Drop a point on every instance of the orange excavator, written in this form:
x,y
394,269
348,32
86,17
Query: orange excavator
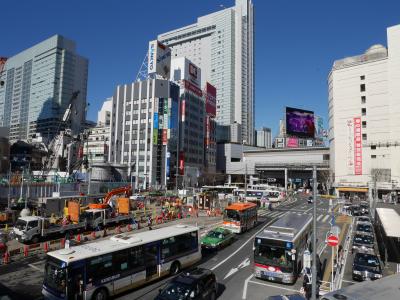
x,y
127,190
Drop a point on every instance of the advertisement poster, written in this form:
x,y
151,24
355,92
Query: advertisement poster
x,y
211,102
292,142
155,120
319,127
300,122
357,147
350,147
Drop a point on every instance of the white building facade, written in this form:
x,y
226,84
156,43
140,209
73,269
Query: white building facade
x,y
264,138
104,114
143,133
364,123
39,83
222,45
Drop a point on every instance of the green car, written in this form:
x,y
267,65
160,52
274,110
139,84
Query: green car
x,y
217,238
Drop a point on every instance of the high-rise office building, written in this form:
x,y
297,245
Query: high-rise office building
x,y
222,45
38,87
104,114
364,123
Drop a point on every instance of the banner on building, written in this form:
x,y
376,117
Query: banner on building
x,y
181,163
357,146
155,136
211,102
155,125
183,106
164,137
350,147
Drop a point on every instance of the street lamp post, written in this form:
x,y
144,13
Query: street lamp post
x,y
245,170
314,235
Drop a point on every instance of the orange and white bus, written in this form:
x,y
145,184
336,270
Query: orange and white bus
x,y
240,216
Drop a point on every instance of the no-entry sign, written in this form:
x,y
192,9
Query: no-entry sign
x,y
333,241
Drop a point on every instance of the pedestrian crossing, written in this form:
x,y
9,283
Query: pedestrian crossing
x,y
322,218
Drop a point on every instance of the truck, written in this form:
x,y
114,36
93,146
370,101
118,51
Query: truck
x,y
35,228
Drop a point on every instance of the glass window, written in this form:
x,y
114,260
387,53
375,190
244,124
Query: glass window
x,y
100,267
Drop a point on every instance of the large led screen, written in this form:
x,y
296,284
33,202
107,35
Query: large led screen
x,y
300,122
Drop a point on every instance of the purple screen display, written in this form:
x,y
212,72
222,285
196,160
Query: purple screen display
x,y
300,122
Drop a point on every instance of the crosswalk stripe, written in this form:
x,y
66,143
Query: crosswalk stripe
x,y
325,218
319,217
274,214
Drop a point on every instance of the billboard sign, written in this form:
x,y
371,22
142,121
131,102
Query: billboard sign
x,y
300,122
159,59
310,143
292,142
164,136
357,147
211,100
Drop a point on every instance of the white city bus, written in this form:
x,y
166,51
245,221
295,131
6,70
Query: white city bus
x,y
279,249
105,268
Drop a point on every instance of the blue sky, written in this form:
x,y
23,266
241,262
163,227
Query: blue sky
x,y
296,41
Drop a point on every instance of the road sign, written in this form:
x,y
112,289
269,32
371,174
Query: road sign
x,y
333,241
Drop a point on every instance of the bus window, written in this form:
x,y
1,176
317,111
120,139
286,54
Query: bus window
x,y
231,214
100,267
275,256
136,258
55,276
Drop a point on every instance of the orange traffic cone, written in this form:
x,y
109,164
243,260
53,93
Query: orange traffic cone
x,y
93,234
62,243
26,250
46,247
78,238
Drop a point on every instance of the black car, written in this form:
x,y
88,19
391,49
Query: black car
x,y
366,266
355,210
363,219
310,199
364,229
197,284
364,208
363,243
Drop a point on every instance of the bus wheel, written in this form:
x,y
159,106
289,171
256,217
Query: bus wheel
x,y
100,294
175,268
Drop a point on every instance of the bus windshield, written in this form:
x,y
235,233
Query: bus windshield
x,y
231,214
272,255
55,275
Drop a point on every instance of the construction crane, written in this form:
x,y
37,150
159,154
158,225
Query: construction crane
x,y
57,141
127,190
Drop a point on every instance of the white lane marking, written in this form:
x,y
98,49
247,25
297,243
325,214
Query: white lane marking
x,y
36,268
240,248
242,265
349,281
309,209
319,217
273,286
275,213
246,282
325,218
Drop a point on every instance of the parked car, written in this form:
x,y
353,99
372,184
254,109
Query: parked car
x,y
366,266
363,243
364,228
355,210
364,208
363,220
310,199
217,238
197,284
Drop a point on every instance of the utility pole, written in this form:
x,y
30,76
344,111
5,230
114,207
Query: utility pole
x,y
314,235
245,171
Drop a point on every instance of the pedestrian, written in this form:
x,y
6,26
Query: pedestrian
x,y
307,282
149,222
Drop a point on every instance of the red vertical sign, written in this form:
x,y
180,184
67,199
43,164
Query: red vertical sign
x,y
183,107
164,136
211,95
181,163
357,147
